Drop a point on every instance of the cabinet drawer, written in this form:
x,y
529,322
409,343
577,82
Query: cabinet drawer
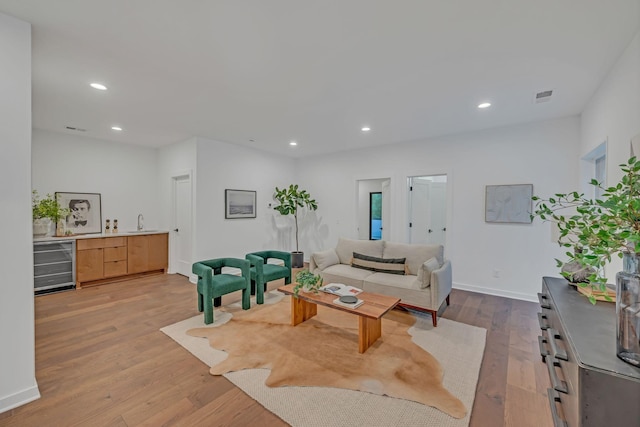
x,y
115,268
106,242
115,254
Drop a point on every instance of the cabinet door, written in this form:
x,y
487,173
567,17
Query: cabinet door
x,y
89,265
137,254
158,251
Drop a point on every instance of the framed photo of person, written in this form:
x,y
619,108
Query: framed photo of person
x,y
86,212
239,204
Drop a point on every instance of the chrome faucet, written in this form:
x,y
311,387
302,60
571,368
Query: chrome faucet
x,y
140,222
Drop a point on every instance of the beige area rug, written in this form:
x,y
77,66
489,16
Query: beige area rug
x,y
458,348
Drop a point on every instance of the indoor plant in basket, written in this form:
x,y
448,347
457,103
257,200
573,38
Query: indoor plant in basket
x,y
45,211
598,229
290,200
307,281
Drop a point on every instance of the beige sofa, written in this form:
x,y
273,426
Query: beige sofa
x,y
425,285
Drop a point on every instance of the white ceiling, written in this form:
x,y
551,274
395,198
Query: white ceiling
x,y
315,71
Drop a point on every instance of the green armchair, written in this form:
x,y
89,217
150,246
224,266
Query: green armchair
x,y
212,283
263,272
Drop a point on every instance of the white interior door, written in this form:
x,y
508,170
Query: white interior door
x,y
428,210
386,208
182,234
419,222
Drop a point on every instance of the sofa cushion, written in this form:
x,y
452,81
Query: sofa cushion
x,y
424,273
324,259
416,255
344,274
411,296
346,247
394,280
381,265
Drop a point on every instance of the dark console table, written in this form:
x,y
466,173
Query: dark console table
x,y
591,386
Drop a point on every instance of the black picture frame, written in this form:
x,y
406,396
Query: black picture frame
x,y
239,204
86,212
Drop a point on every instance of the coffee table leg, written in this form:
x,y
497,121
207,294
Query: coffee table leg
x,y
302,310
369,330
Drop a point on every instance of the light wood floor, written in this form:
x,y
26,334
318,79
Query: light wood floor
x,y
102,361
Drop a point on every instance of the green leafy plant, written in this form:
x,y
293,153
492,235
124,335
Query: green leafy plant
x,y
290,200
48,207
597,229
307,280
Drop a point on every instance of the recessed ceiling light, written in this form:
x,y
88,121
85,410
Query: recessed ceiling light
x,y
98,86
293,143
484,105
116,128
365,129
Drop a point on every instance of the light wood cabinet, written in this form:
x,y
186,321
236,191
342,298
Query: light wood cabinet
x,y
147,253
106,259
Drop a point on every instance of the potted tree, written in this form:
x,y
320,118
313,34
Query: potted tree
x,y
596,230
290,201
44,212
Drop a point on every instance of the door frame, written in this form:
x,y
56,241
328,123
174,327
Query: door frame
x,y
175,176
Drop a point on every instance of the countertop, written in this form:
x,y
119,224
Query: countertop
x,y
99,235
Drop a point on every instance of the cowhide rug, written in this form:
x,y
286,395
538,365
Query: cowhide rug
x,y
323,352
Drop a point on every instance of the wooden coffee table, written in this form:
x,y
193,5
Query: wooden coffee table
x,y
369,314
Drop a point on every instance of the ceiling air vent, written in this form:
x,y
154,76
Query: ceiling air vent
x,y
544,96
75,129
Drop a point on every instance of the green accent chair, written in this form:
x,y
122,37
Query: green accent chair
x,y
262,272
212,283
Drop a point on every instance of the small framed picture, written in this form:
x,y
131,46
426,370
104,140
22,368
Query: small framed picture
x,y
239,204
508,203
86,212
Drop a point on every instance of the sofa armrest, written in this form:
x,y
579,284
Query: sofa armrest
x,y
441,284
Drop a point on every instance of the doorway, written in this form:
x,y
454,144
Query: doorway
x,y
373,194
428,209
182,235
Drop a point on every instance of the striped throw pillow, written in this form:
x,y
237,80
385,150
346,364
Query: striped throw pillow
x,y
380,265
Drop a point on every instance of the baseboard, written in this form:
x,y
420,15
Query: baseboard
x,y
193,278
496,292
20,398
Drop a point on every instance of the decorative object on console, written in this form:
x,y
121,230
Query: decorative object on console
x,y
598,229
115,225
307,281
107,227
45,209
239,204
85,209
508,203
290,200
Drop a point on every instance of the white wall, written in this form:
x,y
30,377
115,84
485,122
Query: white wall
x,y
125,175
613,115
17,357
223,166
543,154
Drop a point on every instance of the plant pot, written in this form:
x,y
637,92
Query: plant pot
x,y
42,227
297,259
628,309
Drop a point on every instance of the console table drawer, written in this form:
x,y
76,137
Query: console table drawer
x,y
115,268
115,254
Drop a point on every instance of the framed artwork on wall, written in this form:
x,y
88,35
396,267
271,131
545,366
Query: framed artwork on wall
x,y
508,203
239,204
86,212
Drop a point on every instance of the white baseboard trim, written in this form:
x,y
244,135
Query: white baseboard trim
x,y
193,278
496,292
20,398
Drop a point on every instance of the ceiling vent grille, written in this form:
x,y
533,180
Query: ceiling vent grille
x,y
544,96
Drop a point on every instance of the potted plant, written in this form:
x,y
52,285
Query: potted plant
x,y
290,201
45,211
307,281
598,229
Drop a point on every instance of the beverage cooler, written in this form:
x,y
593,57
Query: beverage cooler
x,y
54,266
